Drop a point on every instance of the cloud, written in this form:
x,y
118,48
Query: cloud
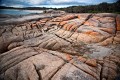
x,y
16,5
53,6
35,2
52,3
61,1
12,2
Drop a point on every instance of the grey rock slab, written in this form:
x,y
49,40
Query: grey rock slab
x,y
70,72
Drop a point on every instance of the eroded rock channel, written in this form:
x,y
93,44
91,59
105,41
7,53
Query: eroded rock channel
x,y
64,47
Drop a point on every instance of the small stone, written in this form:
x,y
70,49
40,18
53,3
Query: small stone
x,y
85,56
91,62
100,62
33,25
68,57
82,59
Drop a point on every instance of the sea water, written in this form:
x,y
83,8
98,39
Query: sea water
x,y
19,12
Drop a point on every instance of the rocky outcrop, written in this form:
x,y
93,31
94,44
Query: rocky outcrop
x,y
68,47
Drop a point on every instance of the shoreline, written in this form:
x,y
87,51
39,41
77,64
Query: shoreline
x,y
6,19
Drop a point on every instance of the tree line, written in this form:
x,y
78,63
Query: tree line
x,y
102,7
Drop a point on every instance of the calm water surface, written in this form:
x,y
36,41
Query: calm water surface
x,y
19,12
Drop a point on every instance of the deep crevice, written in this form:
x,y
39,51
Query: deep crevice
x,y
39,74
59,68
101,71
63,38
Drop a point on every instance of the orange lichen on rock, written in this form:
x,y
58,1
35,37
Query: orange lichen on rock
x,y
109,30
63,23
74,27
56,23
44,20
79,16
33,25
89,23
64,18
65,26
91,33
118,22
94,33
68,17
96,17
68,57
88,32
70,26
82,59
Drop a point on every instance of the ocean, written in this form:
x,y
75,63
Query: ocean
x,y
19,12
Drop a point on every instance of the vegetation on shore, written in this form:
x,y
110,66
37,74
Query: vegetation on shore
x,y
102,7
99,8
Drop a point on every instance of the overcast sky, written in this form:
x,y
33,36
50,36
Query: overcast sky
x,y
50,3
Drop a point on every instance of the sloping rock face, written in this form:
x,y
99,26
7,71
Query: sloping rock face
x,y
68,47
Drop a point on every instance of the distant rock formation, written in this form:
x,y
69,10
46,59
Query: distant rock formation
x,y
54,11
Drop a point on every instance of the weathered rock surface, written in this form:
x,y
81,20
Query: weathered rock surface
x,y
68,47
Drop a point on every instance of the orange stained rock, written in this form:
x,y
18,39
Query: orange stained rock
x,y
94,33
74,27
82,59
116,40
118,22
96,17
68,57
56,23
91,62
57,19
33,25
44,20
109,30
88,32
63,23
107,41
111,19
68,17
70,25
79,16
87,23
38,22
65,26
64,18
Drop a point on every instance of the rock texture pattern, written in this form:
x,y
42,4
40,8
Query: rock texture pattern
x,y
67,47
